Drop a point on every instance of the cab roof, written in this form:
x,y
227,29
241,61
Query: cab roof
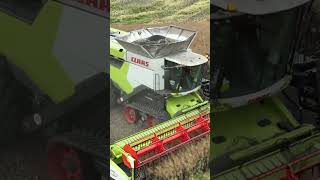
x,y
187,58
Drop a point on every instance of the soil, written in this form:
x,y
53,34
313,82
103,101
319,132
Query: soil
x,y
119,127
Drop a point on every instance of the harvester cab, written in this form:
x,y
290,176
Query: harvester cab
x,y
256,136
253,48
155,67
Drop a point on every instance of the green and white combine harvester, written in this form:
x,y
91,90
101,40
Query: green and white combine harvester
x,y
255,46
156,77
50,65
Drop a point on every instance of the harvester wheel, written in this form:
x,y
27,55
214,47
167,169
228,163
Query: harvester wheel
x,y
9,114
150,121
130,114
66,163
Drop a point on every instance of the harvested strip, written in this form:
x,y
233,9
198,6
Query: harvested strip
x,y
182,164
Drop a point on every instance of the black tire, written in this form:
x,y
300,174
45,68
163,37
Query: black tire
x,y
9,113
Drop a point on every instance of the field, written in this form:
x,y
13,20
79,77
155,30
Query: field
x,y
130,15
158,11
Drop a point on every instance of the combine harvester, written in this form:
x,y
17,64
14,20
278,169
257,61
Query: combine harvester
x,y
154,74
256,136
157,78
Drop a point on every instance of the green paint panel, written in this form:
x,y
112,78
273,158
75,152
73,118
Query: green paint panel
x,y
119,76
291,136
116,50
37,60
277,159
177,104
119,170
240,126
113,30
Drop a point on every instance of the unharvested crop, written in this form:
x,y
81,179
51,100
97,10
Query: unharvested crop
x,y
158,11
182,164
